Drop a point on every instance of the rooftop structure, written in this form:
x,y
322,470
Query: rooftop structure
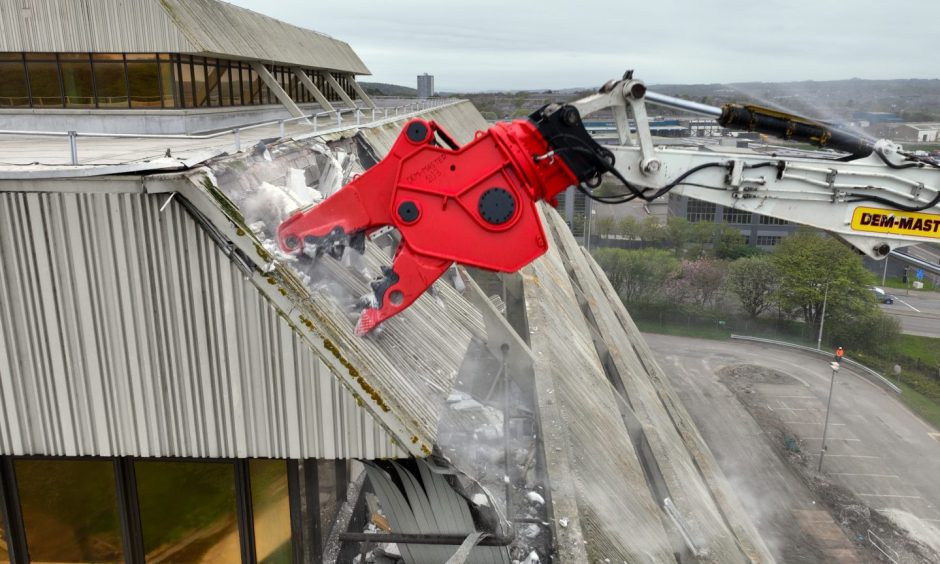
x,y
164,66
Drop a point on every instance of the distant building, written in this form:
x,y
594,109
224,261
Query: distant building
x,y
425,85
922,132
757,230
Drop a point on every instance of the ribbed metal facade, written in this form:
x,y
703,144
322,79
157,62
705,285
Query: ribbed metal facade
x,y
125,330
167,26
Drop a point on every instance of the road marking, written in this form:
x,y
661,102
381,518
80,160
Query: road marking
x,y
868,475
908,305
814,423
831,439
891,495
935,436
797,397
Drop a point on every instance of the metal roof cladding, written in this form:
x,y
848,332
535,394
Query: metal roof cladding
x,y
206,27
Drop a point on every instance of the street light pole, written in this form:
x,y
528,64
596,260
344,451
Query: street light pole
x,y
884,273
832,382
823,318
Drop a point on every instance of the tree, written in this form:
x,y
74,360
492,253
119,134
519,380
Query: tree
x,y
814,267
604,226
698,282
638,276
730,244
753,280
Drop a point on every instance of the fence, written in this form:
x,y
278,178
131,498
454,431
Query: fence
x,y
866,371
320,122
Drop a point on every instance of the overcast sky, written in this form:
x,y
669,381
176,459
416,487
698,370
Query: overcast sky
x,y
492,44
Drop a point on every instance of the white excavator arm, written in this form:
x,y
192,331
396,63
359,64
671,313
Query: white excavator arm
x,y
877,201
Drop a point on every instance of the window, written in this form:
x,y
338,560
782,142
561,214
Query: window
x,y
764,220
4,539
13,90
732,215
69,510
110,81
143,81
44,80
187,511
698,210
225,84
78,86
236,85
768,240
200,95
212,82
167,82
271,508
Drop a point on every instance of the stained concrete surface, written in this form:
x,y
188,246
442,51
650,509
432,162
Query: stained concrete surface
x,y
879,450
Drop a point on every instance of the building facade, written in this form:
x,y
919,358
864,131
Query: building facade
x,y
425,85
757,230
101,65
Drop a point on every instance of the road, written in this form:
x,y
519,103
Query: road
x,y
877,449
918,312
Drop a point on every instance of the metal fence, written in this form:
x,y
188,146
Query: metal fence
x,y
320,122
865,371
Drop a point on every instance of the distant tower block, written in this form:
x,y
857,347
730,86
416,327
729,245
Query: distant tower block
x,y
425,85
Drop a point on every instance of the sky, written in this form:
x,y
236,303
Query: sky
x,y
500,45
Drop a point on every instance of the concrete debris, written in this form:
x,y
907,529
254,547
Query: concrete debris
x,y
534,497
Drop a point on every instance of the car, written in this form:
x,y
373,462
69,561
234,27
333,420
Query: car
x,y
881,295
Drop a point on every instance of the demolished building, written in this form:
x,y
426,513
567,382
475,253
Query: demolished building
x,y
148,319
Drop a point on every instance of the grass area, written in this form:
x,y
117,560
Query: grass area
x,y
926,408
897,284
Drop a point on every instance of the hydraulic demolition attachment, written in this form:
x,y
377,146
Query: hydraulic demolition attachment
x,y
476,204
473,204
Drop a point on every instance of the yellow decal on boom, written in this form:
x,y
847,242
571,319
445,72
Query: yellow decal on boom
x,y
896,222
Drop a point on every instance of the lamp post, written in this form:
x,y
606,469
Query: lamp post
x,y
822,320
832,381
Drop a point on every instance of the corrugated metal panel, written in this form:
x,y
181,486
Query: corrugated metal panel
x,y
176,26
89,25
217,27
127,331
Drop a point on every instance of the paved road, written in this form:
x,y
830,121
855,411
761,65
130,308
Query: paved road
x,y
877,448
918,312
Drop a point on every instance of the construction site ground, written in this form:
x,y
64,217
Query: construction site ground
x,y
761,410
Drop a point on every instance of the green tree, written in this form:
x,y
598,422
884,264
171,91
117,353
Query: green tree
x,y
730,244
815,267
753,280
638,276
604,226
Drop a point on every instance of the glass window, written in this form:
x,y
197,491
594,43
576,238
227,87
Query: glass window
x,y
187,511
110,84
168,84
44,84
77,83
13,91
69,510
768,240
143,81
4,555
764,220
200,99
186,82
698,210
326,476
225,84
246,86
732,215
271,507
212,82
236,85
